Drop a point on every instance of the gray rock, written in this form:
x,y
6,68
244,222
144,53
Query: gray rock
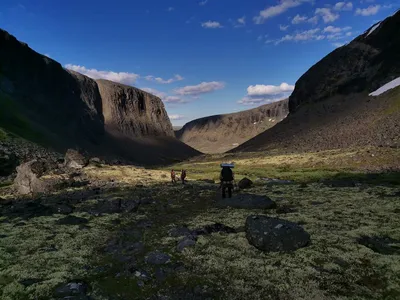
x,y
179,231
75,289
245,183
72,220
157,258
75,160
185,242
275,235
8,163
27,181
248,201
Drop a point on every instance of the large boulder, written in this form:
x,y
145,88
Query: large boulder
x,y
29,179
247,201
75,160
245,183
275,235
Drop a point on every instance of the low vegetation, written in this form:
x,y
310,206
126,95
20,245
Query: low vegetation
x,y
108,249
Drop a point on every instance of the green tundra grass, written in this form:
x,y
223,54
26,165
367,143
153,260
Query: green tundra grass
x,y
37,254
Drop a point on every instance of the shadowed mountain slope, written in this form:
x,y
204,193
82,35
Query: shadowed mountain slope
x,y
220,133
331,107
42,102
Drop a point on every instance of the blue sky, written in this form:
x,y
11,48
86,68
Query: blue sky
x,y
202,57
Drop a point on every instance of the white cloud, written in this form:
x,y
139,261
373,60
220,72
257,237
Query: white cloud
x,y
313,20
263,94
211,24
242,20
264,90
202,88
299,19
48,55
301,36
160,80
176,117
369,11
122,77
332,29
278,9
327,14
283,28
203,2
170,9
164,97
343,6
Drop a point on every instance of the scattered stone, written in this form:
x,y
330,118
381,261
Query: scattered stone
x,y
179,231
63,209
158,258
275,235
72,290
285,209
185,242
160,275
247,201
29,281
209,229
245,183
75,160
72,220
144,223
382,245
136,248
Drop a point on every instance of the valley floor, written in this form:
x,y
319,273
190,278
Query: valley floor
x,y
116,238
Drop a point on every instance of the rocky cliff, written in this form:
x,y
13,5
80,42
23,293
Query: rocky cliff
x,y
220,133
331,107
43,102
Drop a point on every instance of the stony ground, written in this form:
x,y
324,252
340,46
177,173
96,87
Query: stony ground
x,y
121,236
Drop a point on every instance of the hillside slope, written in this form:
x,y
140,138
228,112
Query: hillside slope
x,y
220,133
331,107
42,102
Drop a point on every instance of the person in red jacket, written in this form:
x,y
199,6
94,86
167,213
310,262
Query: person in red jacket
x,y
173,176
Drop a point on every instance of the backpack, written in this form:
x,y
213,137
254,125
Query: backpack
x,y
226,174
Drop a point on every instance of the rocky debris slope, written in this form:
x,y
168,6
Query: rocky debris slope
x,y
47,104
220,133
331,108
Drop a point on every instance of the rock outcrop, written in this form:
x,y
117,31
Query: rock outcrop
x,y
220,133
275,235
47,104
330,106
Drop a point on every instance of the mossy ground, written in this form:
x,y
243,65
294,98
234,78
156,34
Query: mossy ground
x,y
334,266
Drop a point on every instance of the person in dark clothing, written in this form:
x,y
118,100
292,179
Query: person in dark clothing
x,y
183,176
226,178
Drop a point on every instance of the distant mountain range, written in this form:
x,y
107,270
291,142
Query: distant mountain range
x,y
220,133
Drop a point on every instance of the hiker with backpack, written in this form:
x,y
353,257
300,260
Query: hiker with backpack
x,y
227,178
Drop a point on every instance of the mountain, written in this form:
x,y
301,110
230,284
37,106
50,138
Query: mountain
x,y
220,133
43,102
330,106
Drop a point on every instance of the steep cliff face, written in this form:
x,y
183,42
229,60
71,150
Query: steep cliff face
x,y
331,107
58,108
365,64
220,133
133,112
